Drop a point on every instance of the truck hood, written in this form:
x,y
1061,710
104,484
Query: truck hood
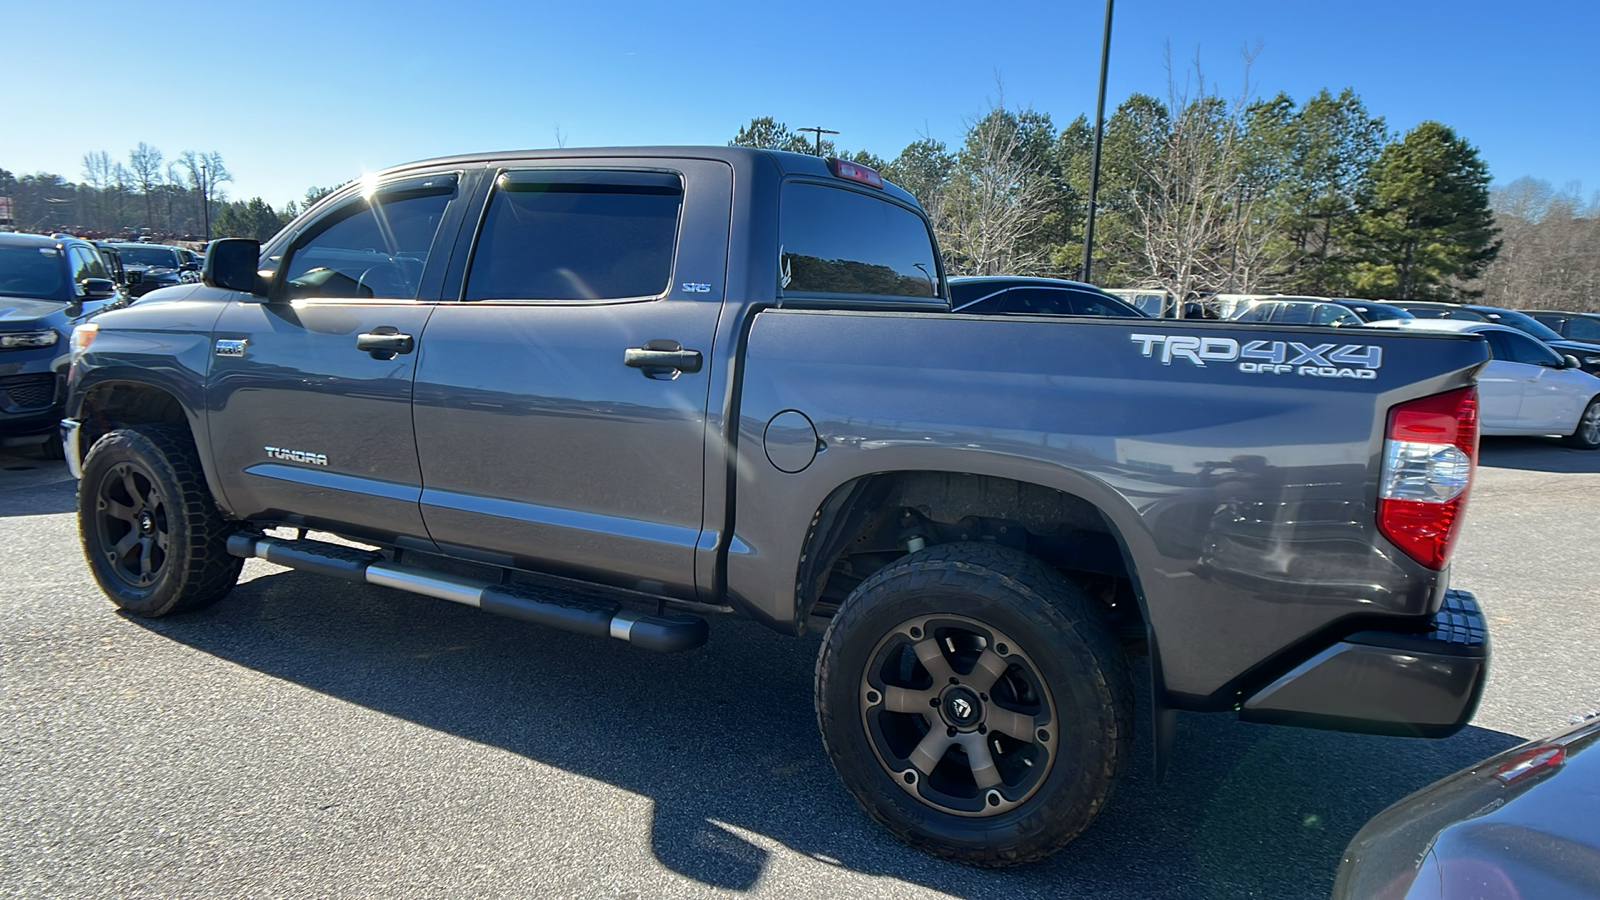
x,y
21,312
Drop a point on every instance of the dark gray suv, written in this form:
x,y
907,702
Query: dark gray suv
x,y
47,286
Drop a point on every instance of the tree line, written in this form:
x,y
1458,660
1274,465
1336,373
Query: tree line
x,y
1203,194
1198,194
147,195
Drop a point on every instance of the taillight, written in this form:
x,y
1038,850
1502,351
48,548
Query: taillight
x,y
1429,451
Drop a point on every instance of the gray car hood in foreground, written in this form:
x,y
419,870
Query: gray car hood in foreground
x,y
1520,825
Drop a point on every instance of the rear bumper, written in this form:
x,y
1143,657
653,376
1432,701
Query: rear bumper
x,y
1422,684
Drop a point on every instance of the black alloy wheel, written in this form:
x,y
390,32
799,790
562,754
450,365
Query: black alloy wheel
x,y
958,715
974,702
154,538
131,523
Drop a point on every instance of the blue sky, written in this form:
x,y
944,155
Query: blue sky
x,y
300,93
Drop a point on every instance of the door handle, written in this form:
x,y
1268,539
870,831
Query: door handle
x,y
385,342
662,360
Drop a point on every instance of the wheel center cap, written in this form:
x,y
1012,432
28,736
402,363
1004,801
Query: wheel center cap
x,y
962,708
147,523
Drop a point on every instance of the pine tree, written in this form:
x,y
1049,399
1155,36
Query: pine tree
x,y
1426,229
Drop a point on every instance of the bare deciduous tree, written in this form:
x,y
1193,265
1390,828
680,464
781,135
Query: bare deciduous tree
x,y
1193,217
1550,248
994,202
144,161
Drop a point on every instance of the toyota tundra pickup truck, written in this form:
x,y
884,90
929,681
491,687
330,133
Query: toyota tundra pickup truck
x,y
727,381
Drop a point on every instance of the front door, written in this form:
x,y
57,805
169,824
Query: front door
x,y
310,391
561,403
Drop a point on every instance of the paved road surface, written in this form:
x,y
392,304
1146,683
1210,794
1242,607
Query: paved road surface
x,y
310,738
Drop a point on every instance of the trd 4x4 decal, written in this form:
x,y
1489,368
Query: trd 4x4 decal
x,y
1358,361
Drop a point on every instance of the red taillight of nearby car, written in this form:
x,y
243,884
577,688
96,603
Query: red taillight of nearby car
x,y
1429,451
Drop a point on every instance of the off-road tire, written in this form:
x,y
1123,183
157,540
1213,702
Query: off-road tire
x,y
1587,435
142,487
1058,632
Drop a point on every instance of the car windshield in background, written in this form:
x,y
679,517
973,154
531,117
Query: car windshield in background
x,y
31,271
1523,323
149,256
841,241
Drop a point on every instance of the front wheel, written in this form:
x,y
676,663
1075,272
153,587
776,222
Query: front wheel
x,y
1587,435
153,537
973,702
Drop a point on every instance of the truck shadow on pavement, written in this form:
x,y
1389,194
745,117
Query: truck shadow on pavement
x,y
723,740
1536,455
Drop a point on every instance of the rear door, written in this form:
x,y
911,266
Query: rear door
x,y
561,400
1502,384
310,392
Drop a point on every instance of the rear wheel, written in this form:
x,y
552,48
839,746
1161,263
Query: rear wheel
x,y
1587,435
974,704
153,537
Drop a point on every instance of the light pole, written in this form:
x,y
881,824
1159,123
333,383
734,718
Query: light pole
x,y
205,201
1099,132
820,132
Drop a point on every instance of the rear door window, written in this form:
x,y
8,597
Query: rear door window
x,y
562,235
836,240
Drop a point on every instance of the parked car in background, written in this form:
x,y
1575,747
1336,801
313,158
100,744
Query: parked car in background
x,y
1520,824
152,266
1527,388
988,295
1574,326
1372,310
47,286
1293,311
1586,352
1153,302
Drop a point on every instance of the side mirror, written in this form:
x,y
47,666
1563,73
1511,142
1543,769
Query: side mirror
x,y
231,265
96,288
135,276
189,267
1571,362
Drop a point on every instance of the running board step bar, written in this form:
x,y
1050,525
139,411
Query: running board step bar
x,y
593,617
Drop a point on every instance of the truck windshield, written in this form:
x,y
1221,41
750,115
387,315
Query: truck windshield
x,y
32,271
842,241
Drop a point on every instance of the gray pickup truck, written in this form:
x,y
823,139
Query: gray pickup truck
x,y
727,381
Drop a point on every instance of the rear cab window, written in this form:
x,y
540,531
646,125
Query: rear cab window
x,y
837,241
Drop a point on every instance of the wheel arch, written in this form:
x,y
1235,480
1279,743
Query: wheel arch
x,y
109,403
880,512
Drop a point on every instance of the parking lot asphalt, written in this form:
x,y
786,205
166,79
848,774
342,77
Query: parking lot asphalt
x,y
307,737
